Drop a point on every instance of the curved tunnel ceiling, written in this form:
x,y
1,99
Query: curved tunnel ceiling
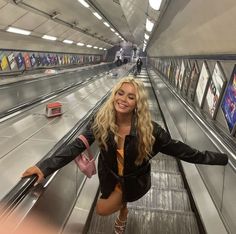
x,y
72,21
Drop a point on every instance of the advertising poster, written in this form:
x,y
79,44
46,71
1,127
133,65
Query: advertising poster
x,y
82,59
202,83
50,60
86,59
73,59
194,76
186,78
181,75
229,102
44,60
98,58
177,75
38,60
32,59
20,61
53,60
4,62
60,59
169,70
56,61
215,89
12,61
77,59
64,59
90,59
27,61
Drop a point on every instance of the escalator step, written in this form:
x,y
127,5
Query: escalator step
x,y
148,222
164,164
163,180
172,200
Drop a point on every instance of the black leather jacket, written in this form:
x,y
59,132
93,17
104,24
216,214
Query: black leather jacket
x,y
107,159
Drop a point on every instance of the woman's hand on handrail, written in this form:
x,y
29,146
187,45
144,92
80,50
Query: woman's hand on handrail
x,y
34,170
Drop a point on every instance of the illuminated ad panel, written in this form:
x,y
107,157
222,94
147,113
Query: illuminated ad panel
x,y
202,83
186,81
229,102
181,75
194,76
215,89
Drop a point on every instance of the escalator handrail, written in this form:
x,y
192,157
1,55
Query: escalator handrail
x,y
21,189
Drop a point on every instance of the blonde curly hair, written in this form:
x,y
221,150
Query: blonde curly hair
x,y
105,120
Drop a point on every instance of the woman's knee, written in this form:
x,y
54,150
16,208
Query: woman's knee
x,y
102,210
107,207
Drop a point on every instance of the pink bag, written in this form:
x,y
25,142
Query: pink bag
x,y
85,161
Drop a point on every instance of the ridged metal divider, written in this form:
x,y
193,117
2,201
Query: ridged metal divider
x,y
165,209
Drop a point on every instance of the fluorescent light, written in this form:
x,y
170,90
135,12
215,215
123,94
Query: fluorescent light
x,y
95,47
149,25
100,48
80,44
155,4
68,41
146,36
113,30
108,25
85,4
89,46
117,33
18,30
104,49
97,15
47,37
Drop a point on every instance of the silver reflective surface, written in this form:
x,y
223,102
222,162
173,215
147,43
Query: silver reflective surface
x,y
27,138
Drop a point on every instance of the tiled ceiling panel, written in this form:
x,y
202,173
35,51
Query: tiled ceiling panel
x,y
114,13
135,13
74,21
10,14
58,30
30,21
46,27
72,11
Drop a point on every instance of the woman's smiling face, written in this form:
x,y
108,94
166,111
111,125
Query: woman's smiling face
x,y
125,99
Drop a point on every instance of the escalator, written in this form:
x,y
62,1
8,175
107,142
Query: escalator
x,y
165,209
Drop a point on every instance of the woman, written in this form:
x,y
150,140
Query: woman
x,y
128,139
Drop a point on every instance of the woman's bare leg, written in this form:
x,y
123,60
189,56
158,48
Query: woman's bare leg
x,y
113,204
110,205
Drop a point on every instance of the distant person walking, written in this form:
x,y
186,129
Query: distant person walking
x,y
139,64
118,61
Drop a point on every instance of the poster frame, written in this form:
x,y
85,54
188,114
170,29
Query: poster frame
x,y
221,91
194,66
230,83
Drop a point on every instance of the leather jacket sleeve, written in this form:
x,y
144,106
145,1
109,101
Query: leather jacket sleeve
x,y
66,154
165,144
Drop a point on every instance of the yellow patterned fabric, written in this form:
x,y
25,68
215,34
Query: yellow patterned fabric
x,y
120,162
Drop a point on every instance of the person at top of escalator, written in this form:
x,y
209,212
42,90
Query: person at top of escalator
x,y
139,64
128,139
